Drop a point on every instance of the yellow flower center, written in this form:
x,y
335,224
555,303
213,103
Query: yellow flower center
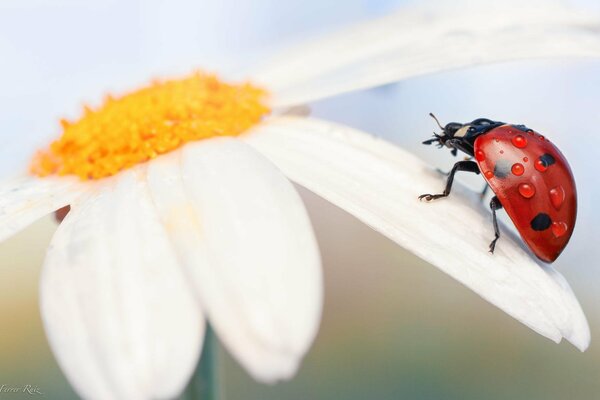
x,y
154,120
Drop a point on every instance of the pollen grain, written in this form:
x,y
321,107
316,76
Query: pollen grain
x,y
154,120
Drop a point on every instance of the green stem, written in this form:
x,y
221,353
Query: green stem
x,y
204,384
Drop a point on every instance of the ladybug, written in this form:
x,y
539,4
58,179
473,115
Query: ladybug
x,y
529,176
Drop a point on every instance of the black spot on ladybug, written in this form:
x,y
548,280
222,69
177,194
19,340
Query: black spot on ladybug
x,y
522,128
547,160
541,222
502,168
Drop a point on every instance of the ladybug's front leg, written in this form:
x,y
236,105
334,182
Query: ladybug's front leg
x,y
495,205
469,166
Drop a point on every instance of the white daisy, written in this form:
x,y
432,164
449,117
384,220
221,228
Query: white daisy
x,y
193,217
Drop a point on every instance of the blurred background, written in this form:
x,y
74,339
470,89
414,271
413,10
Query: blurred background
x,y
393,326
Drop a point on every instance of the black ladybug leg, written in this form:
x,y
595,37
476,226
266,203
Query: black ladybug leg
x,y
484,191
495,205
469,166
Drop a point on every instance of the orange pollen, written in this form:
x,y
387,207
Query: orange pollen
x,y
141,125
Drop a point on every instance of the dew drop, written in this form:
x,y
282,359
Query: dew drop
x,y
540,166
518,169
525,159
557,196
480,155
542,138
489,174
519,141
527,190
501,151
559,228
497,140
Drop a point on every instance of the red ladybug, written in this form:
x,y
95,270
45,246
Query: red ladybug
x,y
529,176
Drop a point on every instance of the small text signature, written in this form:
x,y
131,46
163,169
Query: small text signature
x,y
27,389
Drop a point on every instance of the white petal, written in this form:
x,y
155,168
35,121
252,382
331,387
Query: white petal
x,y
424,39
120,317
26,199
379,184
243,233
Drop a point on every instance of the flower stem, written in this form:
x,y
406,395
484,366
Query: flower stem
x,y
204,384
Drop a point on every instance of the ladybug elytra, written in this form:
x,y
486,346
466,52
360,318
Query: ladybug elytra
x,y
529,176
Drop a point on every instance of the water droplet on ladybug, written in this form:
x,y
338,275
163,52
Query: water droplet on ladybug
x,y
540,166
527,190
497,140
489,174
542,138
501,151
480,155
519,141
559,228
557,196
518,169
525,159
544,162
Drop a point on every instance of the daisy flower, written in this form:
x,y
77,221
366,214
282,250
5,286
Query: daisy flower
x,y
182,209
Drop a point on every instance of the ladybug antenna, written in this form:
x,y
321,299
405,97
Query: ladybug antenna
x,y
436,120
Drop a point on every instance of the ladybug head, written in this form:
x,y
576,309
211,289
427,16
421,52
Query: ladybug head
x,y
447,135
457,136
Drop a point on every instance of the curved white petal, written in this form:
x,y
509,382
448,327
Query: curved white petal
x,y
120,317
242,231
424,39
26,199
379,184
